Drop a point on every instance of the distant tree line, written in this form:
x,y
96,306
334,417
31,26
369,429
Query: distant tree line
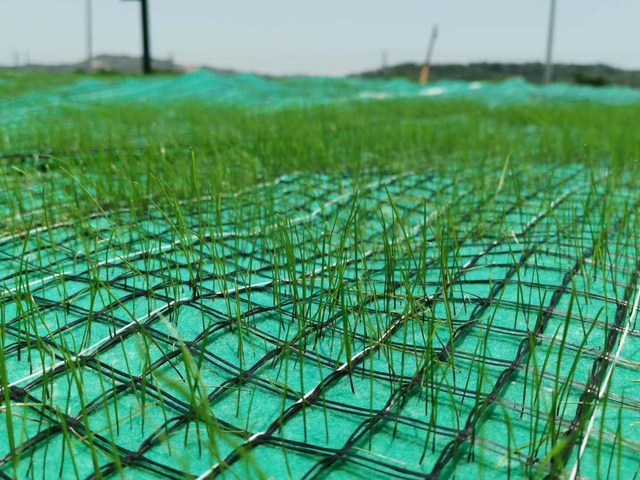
x,y
596,75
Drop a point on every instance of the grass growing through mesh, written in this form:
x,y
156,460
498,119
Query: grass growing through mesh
x,y
391,288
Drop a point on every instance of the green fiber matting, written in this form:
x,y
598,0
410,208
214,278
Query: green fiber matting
x,y
328,325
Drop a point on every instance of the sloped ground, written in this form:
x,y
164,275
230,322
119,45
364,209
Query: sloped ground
x,y
409,287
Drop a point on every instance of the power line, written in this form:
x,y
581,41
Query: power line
x,y
548,68
89,35
146,47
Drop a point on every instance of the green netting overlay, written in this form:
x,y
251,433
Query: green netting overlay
x,y
258,92
329,325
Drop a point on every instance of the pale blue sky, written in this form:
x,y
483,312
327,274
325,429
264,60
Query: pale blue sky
x,y
329,37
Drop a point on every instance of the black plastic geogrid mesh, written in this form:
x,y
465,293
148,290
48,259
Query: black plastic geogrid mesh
x,y
414,328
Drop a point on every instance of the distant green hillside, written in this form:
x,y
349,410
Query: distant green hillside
x,y
584,74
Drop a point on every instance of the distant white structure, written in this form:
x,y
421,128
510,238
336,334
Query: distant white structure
x,y
90,65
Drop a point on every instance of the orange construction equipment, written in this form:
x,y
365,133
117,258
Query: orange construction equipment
x,y
426,67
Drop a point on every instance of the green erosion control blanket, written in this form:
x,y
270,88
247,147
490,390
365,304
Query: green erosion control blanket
x,y
302,328
254,91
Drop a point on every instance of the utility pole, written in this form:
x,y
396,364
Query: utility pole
x,y
548,67
89,36
385,60
146,48
426,67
